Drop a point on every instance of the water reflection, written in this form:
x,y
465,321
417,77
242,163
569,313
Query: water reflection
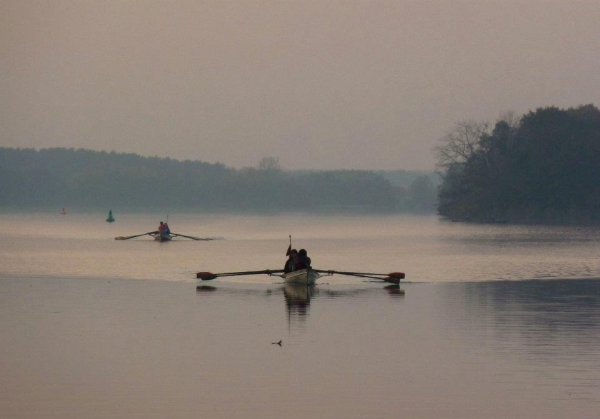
x,y
549,328
550,307
205,288
297,299
394,290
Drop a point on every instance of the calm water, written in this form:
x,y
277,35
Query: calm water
x,y
427,249
495,321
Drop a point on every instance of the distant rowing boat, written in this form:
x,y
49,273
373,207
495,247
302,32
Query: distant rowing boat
x,y
162,237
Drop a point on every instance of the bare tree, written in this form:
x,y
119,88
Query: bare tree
x,y
512,118
512,121
460,143
269,164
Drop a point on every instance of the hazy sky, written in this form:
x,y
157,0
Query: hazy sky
x,y
318,84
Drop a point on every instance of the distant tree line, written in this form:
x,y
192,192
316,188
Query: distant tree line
x,y
542,167
92,180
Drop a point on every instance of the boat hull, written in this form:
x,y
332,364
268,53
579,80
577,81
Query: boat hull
x,y
162,237
303,277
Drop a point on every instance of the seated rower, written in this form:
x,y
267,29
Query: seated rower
x,y
302,261
290,264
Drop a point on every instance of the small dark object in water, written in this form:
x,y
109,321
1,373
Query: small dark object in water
x,y
276,343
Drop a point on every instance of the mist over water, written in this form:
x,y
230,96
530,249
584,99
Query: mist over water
x,y
425,248
495,321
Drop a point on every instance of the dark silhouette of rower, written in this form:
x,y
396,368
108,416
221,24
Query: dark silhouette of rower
x,y
302,261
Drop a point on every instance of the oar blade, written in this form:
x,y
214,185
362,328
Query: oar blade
x,y
205,276
128,237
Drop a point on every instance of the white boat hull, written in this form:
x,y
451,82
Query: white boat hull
x,y
304,277
162,237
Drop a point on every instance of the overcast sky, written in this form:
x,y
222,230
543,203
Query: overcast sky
x,y
318,84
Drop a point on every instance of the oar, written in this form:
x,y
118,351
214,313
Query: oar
x,y
189,237
392,277
138,235
207,276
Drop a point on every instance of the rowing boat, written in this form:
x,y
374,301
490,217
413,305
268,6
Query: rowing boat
x,y
303,276
162,237
306,276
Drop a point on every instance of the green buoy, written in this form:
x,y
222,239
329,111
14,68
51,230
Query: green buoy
x,y
110,218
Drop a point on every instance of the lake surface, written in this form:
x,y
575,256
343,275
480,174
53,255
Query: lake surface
x,y
493,321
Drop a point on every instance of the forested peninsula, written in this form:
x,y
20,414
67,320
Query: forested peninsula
x,y
49,179
543,167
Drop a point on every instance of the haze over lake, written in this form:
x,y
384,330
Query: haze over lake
x,y
318,84
272,107
494,321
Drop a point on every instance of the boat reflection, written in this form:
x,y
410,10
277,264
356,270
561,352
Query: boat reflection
x,y
297,299
394,290
205,288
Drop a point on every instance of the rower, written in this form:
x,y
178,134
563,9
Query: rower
x,y
290,264
302,261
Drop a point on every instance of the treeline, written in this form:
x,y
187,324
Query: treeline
x,y
92,180
543,167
